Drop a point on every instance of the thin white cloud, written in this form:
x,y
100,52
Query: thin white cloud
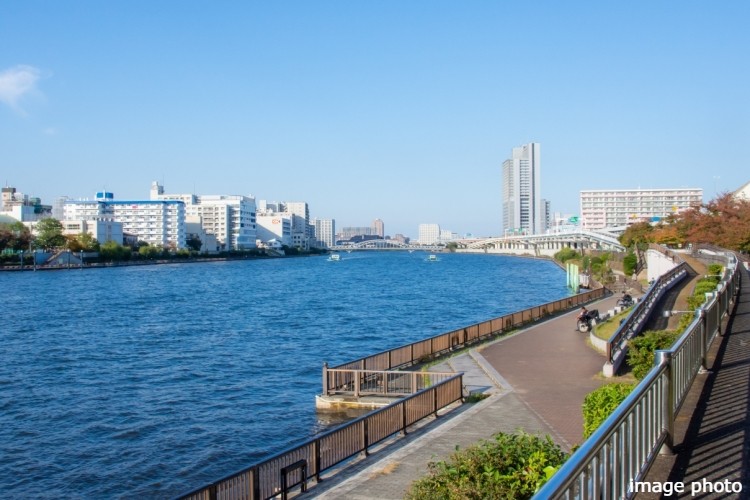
x,y
16,83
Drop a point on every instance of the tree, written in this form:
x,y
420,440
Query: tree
x,y
194,243
635,234
149,251
15,237
49,234
113,251
82,242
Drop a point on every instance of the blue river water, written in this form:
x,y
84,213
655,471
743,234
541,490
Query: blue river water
x,y
150,381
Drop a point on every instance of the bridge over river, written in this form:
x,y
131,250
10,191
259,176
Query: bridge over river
x,y
538,245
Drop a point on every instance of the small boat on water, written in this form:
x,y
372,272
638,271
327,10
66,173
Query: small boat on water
x,y
334,257
432,258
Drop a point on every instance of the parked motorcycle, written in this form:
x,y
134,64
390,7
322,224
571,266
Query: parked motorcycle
x,y
625,301
587,320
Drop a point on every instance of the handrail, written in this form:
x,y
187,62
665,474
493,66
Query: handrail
x,y
378,382
263,480
430,348
625,445
310,459
642,310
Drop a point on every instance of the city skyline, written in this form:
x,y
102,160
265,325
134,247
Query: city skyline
x,y
401,112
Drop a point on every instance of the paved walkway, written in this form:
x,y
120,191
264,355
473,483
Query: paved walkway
x,y
530,389
537,380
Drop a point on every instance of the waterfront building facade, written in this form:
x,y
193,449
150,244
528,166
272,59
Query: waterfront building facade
x,y
104,229
429,234
325,232
523,208
616,208
230,218
274,226
157,222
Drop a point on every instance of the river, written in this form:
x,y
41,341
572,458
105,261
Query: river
x,y
149,381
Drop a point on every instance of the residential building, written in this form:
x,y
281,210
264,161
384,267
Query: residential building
x,y
523,207
613,208
349,232
448,235
302,231
378,228
230,218
325,232
157,222
429,234
103,229
194,229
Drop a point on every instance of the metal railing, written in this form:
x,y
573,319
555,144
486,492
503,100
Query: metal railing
x,y
625,445
376,375
292,469
430,348
637,318
378,382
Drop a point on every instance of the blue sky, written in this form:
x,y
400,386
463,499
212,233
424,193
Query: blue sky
x,y
402,111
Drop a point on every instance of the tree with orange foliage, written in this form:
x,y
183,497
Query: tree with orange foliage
x,y
724,222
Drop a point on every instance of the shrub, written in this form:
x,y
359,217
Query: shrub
x,y
599,404
629,263
641,349
715,269
509,466
567,254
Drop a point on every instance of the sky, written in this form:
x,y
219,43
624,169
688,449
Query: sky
x,y
397,110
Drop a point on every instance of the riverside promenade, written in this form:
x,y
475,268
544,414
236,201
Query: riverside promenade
x,y
536,380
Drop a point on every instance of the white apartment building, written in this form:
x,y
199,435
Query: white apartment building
x,y
325,231
230,218
157,222
523,207
429,234
274,226
103,229
611,208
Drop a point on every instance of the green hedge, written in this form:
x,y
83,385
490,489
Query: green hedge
x,y
641,349
510,466
599,404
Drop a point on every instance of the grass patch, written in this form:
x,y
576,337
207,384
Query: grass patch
x,y
475,397
605,330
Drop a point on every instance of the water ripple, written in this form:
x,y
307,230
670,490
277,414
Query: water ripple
x,y
149,381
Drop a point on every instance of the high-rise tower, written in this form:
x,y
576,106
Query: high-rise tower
x,y
523,207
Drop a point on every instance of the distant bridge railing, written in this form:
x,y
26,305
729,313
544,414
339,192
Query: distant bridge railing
x,y
433,347
625,445
292,469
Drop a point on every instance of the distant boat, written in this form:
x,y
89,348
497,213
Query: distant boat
x,y
334,257
432,258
